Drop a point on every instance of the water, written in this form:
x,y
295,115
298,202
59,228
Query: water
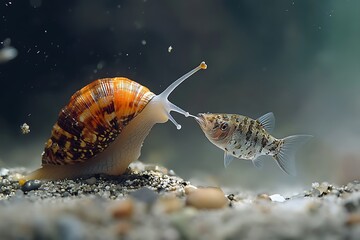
x,y
298,59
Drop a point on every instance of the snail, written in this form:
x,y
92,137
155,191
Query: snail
x,y
103,127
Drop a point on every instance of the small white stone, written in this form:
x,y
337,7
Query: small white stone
x,y
4,172
315,185
277,198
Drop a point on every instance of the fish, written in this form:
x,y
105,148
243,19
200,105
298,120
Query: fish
x,y
242,137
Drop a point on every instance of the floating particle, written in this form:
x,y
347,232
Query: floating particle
x,y
36,3
6,42
7,53
170,49
143,42
25,129
100,65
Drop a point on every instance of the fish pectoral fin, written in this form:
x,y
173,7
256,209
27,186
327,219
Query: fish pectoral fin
x,y
267,121
228,158
258,162
285,158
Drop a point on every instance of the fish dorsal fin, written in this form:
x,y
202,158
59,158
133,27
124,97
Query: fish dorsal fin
x,y
258,162
267,121
228,158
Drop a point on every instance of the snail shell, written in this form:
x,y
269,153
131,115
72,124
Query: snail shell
x,y
93,119
102,128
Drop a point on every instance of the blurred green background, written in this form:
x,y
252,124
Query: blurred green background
x,y
299,59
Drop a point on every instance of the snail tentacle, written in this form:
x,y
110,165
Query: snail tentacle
x,y
167,106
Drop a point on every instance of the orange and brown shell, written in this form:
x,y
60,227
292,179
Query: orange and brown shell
x,y
94,117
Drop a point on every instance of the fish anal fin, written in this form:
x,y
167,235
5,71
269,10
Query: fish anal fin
x,y
228,158
267,121
259,162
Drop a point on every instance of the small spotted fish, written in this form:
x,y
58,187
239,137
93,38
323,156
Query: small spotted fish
x,y
245,138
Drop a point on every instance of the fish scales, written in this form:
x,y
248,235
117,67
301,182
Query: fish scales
x,y
250,139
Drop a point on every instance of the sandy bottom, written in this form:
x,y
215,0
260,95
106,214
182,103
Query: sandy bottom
x,y
149,202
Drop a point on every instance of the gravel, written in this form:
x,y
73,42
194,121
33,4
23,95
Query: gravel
x,y
149,202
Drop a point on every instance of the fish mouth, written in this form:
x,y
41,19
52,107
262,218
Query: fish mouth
x,y
200,119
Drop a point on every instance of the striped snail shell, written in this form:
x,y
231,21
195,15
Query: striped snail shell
x,y
103,127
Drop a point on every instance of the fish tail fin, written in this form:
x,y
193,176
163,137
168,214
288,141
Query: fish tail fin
x,y
285,157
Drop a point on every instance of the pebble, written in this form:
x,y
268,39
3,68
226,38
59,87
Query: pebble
x,y
277,198
16,177
207,198
123,209
264,196
169,204
189,188
31,185
350,206
123,227
157,168
4,172
145,195
79,209
353,219
321,188
313,207
91,180
69,227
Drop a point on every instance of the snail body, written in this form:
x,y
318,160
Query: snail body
x,y
103,127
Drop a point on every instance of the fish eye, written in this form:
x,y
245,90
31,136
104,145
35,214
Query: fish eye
x,y
224,126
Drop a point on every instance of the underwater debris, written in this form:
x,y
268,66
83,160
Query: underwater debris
x,y
25,128
170,48
7,53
